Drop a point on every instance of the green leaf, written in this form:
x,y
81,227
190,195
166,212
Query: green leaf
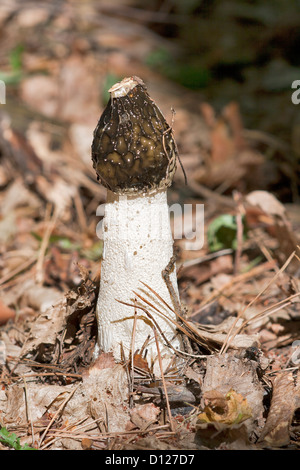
x,y
11,440
65,243
7,438
15,58
222,231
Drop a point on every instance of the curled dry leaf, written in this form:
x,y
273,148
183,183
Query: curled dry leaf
x,y
46,329
230,409
228,372
267,202
277,428
61,322
273,215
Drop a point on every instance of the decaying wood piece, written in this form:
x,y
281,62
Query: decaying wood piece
x,y
177,394
276,432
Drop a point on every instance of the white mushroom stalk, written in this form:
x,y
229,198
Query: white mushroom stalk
x,y
134,155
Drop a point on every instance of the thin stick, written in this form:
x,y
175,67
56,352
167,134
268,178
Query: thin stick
x,y
17,270
206,193
57,434
166,276
39,276
51,374
28,412
242,312
66,432
269,283
57,413
239,232
270,310
205,258
132,357
80,212
163,380
240,278
156,324
189,325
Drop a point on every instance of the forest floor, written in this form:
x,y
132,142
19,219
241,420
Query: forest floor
x,y
238,385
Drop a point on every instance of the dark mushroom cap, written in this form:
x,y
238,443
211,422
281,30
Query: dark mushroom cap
x,y
133,149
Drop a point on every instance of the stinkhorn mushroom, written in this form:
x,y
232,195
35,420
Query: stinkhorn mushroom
x,y
134,155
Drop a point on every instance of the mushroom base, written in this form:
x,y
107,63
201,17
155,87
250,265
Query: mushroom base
x,y
138,245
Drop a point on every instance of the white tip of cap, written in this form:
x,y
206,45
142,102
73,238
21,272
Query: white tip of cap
x,y
123,88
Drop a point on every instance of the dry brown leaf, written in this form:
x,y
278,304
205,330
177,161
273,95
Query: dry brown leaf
x,y
230,372
59,192
106,391
140,362
38,297
231,409
267,202
230,158
274,217
226,131
277,428
103,361
46,328
143,416
41,398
